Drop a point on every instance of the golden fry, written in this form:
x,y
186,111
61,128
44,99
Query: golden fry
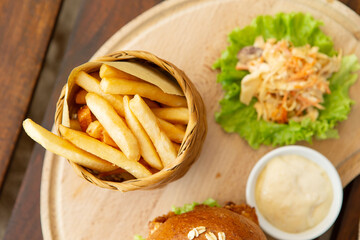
x,y
114,125
105,137
177,147
147,149
92,85
181,127
142,88
174,115
95,75
74,124
150,103
64,148
149,122
175,134
95,129
84,117
103,151
107,71
80,97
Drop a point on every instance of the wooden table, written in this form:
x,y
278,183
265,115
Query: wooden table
x,y
23,53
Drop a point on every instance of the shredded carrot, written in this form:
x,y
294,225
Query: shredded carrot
x,y
285,98
291,80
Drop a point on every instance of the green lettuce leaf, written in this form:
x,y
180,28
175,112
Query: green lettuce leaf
x,y
190,206
138,237
300,29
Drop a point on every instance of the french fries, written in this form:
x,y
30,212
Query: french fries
x,y
84,117
142,88
80,97
95,129
61,147
115,132
151,104
114,125
105,137
176,146
149,122
147,149
107,71
92,85
74,124
95,75
175,134
181,127
103,151
173,115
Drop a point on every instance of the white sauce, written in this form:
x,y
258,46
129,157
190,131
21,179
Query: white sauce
x,y
293,193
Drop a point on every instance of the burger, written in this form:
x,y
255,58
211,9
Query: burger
x,y
207,222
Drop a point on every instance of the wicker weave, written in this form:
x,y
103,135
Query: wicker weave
x,y
194,136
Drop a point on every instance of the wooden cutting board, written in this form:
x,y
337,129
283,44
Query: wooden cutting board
x,y
191,34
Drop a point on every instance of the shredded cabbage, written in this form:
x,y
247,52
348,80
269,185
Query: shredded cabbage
x,y
288,82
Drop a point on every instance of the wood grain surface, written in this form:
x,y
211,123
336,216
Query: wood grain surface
x,y
347,224
175,31
25,221
353,4
22,53
88,35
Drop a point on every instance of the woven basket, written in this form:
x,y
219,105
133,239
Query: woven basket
x,y
194,135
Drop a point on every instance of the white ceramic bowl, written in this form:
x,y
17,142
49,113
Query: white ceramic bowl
x,y
323,162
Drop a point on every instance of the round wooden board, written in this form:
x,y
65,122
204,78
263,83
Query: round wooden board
x,y
191,34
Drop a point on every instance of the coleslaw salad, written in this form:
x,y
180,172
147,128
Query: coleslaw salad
x,y
299,30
